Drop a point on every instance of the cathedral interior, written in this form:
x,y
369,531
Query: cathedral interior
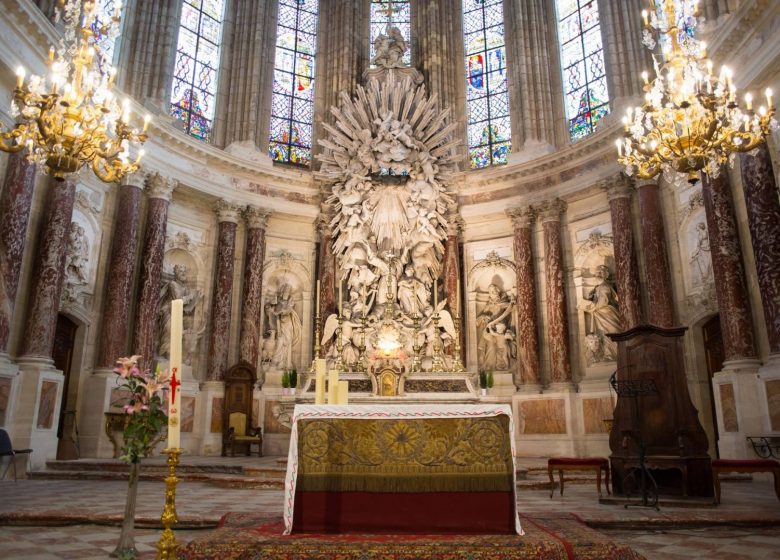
x,y
448,202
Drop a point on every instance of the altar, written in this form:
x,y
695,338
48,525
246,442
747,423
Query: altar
x,y
445,468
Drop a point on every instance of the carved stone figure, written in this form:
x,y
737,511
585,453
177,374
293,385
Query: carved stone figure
x,y
495,347
701,257
412,294
595,348
602,315
76,261
177,288
389,48
284,324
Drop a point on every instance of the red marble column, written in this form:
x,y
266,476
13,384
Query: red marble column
x,y
112,341
49,270
451,270
763,210
736,321
557,324
626,272
159,191
15,202
221,303
327,268
659,279
525,286
251,309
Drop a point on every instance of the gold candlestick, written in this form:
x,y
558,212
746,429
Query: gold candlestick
x,y
361,365
416,363
438,361
317,347
457,364
166,548
340,366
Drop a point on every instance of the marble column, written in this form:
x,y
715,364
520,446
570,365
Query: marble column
x,y
624,54
222,301
246,74
525,286
534,75
557,324
112,341
49,271
159,192
659,280
342,56
15,203
148,53
626,271
451,272
327,268
763,212
251,308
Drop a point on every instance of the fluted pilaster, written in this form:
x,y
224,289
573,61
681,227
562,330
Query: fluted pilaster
x,y
624,54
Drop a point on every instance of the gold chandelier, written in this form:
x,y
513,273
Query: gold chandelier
x,y
71,118
690,120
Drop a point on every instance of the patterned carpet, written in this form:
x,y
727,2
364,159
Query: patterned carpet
x,y
547,537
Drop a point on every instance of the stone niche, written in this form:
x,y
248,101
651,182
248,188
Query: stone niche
x,y
695,255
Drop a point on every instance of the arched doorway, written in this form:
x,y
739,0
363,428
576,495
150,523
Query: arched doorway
x,y
64,345
715,354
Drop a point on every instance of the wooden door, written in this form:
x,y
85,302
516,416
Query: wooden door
x,y
715,355
64,343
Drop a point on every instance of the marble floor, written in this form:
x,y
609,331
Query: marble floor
x,y
746,525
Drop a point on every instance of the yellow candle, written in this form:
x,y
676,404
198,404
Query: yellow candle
x,y
435,293
341,300
317,308
343,395
457,297
333,386
174,402
319,383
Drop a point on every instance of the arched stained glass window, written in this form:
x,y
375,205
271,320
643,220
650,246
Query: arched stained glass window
x,y
582,59
293,96
194,90
489,129
392,14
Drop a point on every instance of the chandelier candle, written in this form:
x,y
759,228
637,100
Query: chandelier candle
x,y
174,401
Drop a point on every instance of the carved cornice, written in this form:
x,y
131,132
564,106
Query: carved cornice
x,y
158,186
551,210
522,216
227,211
256,217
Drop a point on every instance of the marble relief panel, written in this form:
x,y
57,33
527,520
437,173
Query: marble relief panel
x,y
216,415
542,416
187,414
276,420
594,412
47,405
695,252
728,407
83,249
5,398
773,403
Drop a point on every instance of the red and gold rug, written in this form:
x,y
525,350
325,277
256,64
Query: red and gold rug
x,y
552,537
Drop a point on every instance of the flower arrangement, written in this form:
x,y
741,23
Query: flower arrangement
x,y
143,403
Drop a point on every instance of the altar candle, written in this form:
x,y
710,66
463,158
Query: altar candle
x,y
174,402
333,386
341,300
435,293
318,299
319,381
457,295
343,395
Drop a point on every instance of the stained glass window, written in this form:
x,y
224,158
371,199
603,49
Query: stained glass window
x,y
293,96
582,58
197,59
489,129
106,41
391,14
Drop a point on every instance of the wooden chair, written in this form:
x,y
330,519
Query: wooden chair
x,y
7,450
240,433
237,422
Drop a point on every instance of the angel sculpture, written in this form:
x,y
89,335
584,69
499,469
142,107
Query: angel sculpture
x,y
496,347
349,351
389,48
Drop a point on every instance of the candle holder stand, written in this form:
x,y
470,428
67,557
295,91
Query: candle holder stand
x,y
416,347
166,548
361,364
457,364
317,347
340,346
438,362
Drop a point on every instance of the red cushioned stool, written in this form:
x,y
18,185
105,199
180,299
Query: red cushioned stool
x,y
745,466
561,464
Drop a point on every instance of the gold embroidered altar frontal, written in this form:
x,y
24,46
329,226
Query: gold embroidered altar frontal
x,y
405,455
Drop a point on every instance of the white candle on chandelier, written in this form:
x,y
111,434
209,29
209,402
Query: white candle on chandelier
x,y
20,76
646,77
619,145
769,97
749,101
147,120
645,17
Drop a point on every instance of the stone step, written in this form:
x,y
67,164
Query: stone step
x,y
224,480
115,465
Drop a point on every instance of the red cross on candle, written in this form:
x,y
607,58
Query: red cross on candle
x,y
174,385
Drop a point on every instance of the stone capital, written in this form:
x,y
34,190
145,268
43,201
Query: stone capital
x,y
322,223
256,217
616,186
227,211
639,183
551,210
521,216
158,186
454,224
137,179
